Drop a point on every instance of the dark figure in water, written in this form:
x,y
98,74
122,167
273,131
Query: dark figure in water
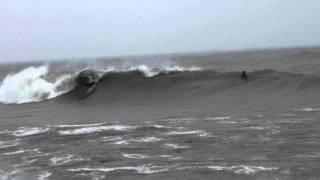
x,y
244,75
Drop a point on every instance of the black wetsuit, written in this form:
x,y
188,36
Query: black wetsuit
x,y
244,75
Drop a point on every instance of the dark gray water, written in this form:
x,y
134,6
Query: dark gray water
x,y
171,117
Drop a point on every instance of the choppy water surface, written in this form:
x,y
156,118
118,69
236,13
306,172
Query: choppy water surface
x,y
172,117
255,146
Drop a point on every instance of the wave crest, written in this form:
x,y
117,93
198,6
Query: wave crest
x,y
34,84
29,85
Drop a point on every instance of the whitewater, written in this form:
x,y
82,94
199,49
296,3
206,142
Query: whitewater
x,y
163,117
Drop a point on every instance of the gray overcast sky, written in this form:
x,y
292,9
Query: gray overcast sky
x,y
46,29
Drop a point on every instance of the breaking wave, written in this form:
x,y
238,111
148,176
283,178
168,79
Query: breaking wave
x,y
35,84
29,85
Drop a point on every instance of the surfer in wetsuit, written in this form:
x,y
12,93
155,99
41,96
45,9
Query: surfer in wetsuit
x,y
244,75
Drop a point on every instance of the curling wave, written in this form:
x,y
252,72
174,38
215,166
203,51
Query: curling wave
x,y
35,84
30,85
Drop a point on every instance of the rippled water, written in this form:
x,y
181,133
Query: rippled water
x,y
253,146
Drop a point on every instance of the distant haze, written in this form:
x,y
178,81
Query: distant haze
x,y
46,29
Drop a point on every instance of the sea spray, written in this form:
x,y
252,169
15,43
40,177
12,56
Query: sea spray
x,y
29,85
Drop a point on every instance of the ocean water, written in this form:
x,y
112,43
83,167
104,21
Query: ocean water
x,y
164,117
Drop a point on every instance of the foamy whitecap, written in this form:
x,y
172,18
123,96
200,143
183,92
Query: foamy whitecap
x,y
176,146
148,140
309,155
77,125
121,142
135,156
227,122
95,129
159,126
14,152
144,169
28,131
151,71
187,119
242,169
4,175
65,159
257,127
44,175
7,144
107,139
218,118
141,156
198,132
245,169
29,85
308,109
23,151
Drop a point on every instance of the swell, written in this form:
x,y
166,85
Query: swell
x,y
135,87
142,84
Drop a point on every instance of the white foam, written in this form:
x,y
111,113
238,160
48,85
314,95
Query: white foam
x,y
121,142
135,156
145,169
141,156
106,139
218,118
15,152
175,146
187,119
29,85
257,128
308,109
60,160
242,169
160,126
8,175
95,129
245,169
21,151
217,168
150,71
28,131
309,155
198,132
227,122
44,175
78,125
7,144
170,157
148,140
65,159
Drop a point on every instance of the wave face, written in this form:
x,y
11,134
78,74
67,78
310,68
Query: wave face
x,y
35,84
39,83
159,119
